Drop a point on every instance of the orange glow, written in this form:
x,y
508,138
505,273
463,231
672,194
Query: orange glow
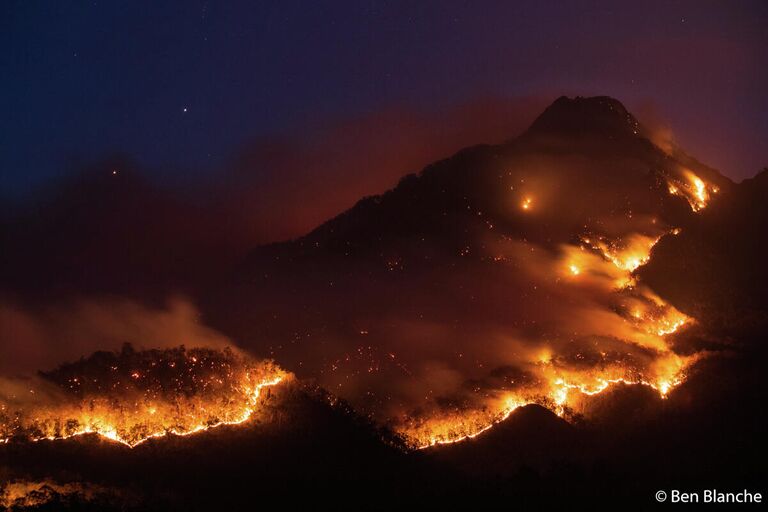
x,y
18,494
527,203
224,392
695,190
643,317
627,255
460,425
560,392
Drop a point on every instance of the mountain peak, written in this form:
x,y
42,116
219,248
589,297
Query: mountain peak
x,y
597,114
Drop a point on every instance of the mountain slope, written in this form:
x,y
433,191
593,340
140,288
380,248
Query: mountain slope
x,y
502,276
721,255
582,158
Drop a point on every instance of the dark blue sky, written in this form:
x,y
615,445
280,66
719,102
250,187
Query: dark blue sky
x,y
180,85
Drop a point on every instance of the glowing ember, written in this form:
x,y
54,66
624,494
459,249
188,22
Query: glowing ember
x,y
171,392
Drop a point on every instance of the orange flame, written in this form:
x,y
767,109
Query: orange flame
x,y
225,395
695,190
650,320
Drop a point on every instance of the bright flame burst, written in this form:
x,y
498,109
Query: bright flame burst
x,y
132,398
693,189
627,255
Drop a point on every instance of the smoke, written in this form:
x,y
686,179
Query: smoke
x,y
40,338
109,229
287,186
658,129
102,256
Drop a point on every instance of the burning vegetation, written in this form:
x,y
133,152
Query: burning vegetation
x,y
636,317
30,495
695,190
132,396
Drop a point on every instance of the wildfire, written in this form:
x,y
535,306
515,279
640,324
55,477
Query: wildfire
x,y
693,189
135,396
627,255
556,394
563,386
178,392
23,494
460,425
661,319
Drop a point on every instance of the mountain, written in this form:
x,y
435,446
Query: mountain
x,y
582,161
584,157
420,285
453,288
601,115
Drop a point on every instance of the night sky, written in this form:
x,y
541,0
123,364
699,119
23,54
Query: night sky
x,y
180,86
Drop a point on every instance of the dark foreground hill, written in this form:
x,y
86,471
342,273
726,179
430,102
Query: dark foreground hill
x,y
308,449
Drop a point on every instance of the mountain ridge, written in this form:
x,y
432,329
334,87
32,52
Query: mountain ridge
x,y
582,125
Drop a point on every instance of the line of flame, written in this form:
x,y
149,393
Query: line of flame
x,y
112,435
